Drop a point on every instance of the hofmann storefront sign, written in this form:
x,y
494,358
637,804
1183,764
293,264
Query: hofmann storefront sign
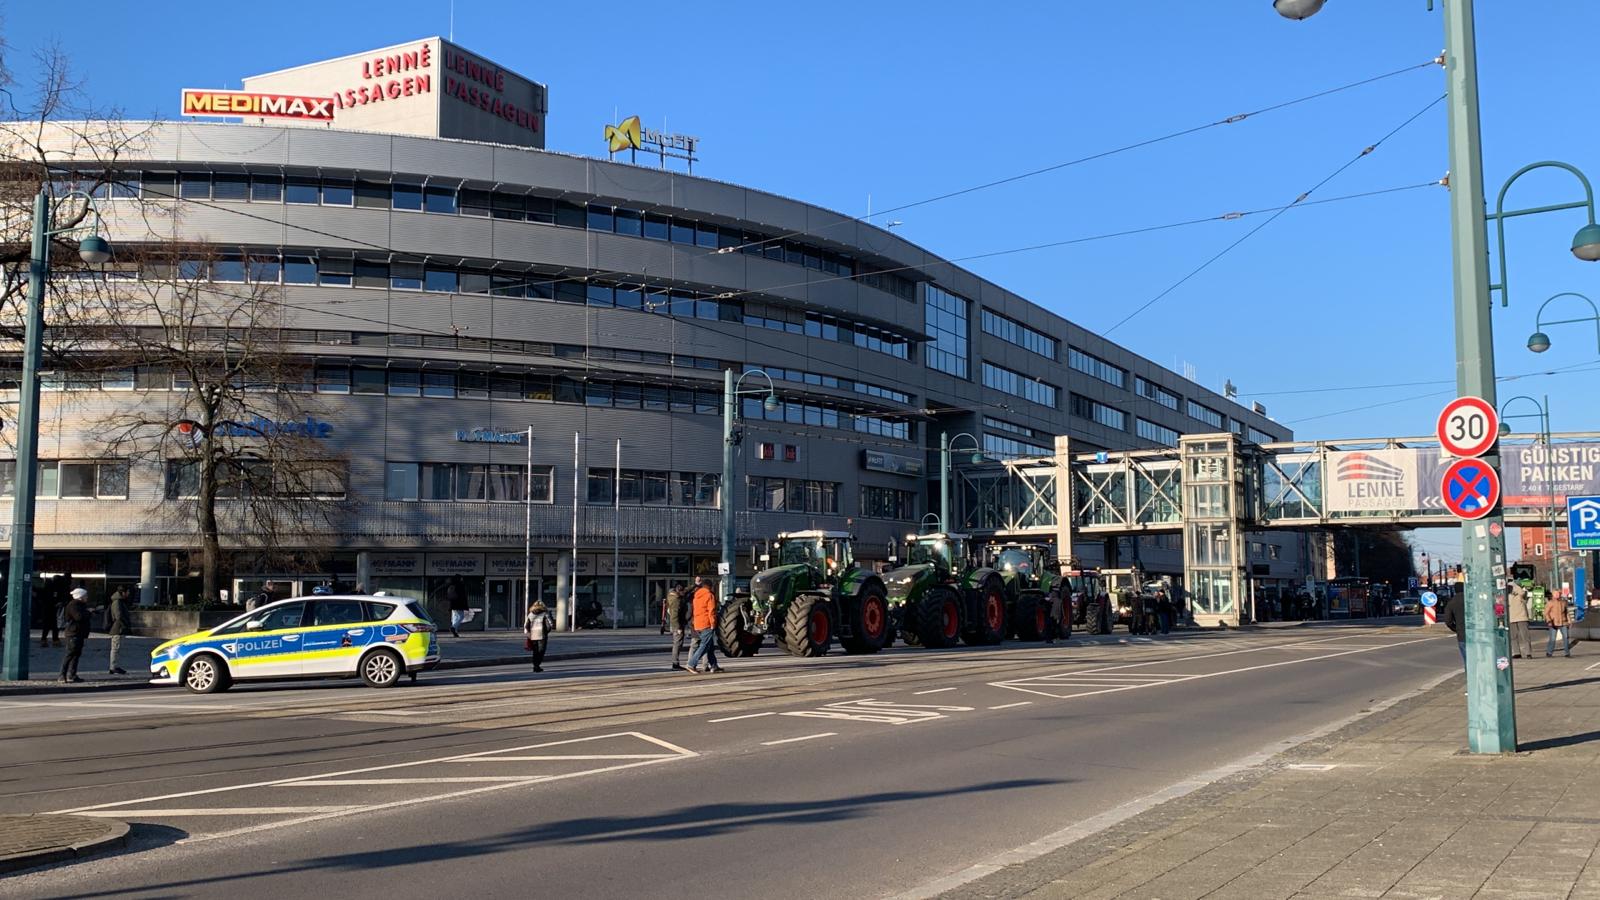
x,y
490,436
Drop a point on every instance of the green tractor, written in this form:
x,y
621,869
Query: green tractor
x,y
1092,605
938,598
813,593
1031,576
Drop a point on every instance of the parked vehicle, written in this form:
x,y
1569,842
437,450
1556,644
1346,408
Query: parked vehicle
x,y
940,597
814,594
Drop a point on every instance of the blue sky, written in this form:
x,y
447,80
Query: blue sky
x,y
834,102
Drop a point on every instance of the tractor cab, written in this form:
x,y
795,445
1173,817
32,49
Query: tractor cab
x,y
828,552
944,552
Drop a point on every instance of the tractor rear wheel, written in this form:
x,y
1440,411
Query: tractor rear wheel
x,y
808,629
869,622
1027,617
1094,617
733,638
939,618
988,624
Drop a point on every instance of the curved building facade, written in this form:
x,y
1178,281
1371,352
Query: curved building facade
x,y
449,295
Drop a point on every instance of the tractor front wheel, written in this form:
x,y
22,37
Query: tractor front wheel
x,y
989,619
808,629
1027,617
939,618
733,638
869,624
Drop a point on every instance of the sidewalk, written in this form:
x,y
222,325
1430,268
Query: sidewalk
x,y
1389,806
468,651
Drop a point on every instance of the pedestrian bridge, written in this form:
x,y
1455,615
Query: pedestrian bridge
x,y
1212,488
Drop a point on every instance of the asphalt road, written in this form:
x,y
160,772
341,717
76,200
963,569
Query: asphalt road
x,y
858,776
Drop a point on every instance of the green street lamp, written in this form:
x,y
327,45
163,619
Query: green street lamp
x,y
93,250
1539,341
1585,243
1297,9
730,413
945,448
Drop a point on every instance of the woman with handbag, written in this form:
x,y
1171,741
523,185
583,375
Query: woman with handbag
x,y
536,629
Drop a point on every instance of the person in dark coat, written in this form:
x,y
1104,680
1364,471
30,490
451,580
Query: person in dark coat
x,y
1164,611
1455,616
117,626
455,593
76,613
676,617
1055,614
47,604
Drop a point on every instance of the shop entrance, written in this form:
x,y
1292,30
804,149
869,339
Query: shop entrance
x,y
507,607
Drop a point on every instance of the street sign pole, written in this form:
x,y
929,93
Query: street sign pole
x,y
1491,712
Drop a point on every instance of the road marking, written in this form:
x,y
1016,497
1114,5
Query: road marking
x,y
809,737
881,711
737,718
678,752
1012,705
453,779
593,756
934,691
1590,667
219,811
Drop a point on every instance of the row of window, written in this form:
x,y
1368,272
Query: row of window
x,y
1151,431
270,267
653,487
1019,385
326,480
439,200
791,495
824,416
1096,367
67,480
1095,411
1014,332
1205,414
1152,391
830,381
945,317
468,482
1000,446
888,503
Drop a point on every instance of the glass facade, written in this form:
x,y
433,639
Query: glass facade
x,y
1096,367
1019,385
1015,332
947,319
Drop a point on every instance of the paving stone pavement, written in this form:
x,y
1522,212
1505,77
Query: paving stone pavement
x,y
1391,806
27,841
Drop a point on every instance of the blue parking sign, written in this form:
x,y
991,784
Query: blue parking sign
x,y
1583,523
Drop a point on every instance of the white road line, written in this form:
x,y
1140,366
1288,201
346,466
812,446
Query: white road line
x,y
85,704
405,765
1012,705
219,811
497,758
809,737
737,718
934,691
454,779
1590,667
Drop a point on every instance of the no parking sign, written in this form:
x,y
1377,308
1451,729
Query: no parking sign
x,y
1470,488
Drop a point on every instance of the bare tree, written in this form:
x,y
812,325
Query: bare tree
x,y
225,411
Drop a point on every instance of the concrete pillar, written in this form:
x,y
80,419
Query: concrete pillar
x,y
364,569
564,585
147,578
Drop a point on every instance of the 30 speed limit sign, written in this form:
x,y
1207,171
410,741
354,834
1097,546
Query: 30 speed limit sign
x,y
1468,427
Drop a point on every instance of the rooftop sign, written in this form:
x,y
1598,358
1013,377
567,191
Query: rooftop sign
x,y
201,102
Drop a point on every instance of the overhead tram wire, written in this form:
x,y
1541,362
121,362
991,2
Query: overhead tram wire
x,y
1573,369
1230,120
1273,218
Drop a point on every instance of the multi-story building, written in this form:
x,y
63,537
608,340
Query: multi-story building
x,y
452,290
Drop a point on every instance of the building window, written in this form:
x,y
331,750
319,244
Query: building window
x,y
1152,391
945,316
85,480
792,495
1096,367
1019,385
1001,446
888,503
1095,411
468,482
653,487
1014,332
1150,431
1260,437
1205,414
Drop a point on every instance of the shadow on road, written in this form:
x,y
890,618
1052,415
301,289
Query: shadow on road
x,y
701,820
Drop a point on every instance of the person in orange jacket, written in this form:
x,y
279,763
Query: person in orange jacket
x,y
705,626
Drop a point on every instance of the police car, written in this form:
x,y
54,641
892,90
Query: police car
x,y
328,636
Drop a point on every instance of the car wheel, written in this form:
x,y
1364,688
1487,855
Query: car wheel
x,y
205,674
381,668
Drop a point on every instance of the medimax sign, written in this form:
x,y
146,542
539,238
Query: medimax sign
x,y
429,87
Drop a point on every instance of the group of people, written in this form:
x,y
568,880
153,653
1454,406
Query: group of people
x,y
1557,617
73,617
685,610
1153,614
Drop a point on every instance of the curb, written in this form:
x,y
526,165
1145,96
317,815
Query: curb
x,y
483,662
115,837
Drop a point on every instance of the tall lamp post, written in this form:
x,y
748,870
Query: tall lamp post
x,y
1542,414
94,250
945,448
1491,713
731,393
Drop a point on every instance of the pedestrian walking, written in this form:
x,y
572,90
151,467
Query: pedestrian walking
x,y
48,602
536,628
1557,618
1054,616
705,627
1164,611
1517,608
117,625
76,615
455,594
675,615
1455,617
